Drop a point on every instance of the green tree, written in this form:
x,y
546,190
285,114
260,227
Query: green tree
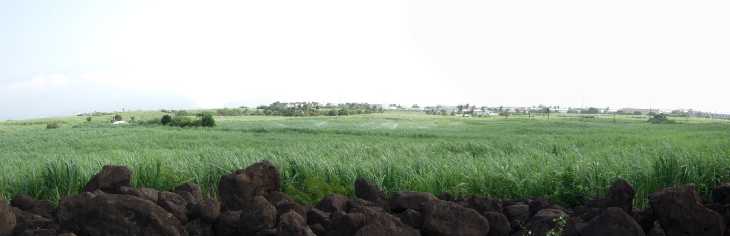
x,y
166,119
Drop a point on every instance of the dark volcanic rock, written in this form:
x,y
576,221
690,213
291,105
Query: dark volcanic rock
x,y
544,221
498,224
448,218
32,223
110,179
293,224
227,224
333,203
318,217
370,192
28,204
620,194
174,204
111,214
190,192
258,215
145,193
238,189
346,223
199,228
613,221
482,204
412,217
518,214
721,194
680,212
207,210
410,200
7,219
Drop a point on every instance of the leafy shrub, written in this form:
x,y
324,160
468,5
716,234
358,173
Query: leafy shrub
x,y
207,120
660,119
166,119
182,121
88,119
53,125
117,117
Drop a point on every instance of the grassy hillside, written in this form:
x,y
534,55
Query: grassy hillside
x,y
564,158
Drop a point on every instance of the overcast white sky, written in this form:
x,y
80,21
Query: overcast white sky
x,y
63,57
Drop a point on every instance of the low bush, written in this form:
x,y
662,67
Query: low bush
x,y
207,120
166,119
53,125
660,119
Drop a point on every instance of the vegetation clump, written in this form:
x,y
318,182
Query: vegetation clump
x,y
204,120
660,119
166,119
53,125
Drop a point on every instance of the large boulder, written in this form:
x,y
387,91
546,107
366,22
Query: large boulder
x,y
199,228
517,214
721,194
190,192
620,194
238,189
318,217
680,212
175,204
112,214
207,210
498,224
412,217
370,192
482,204
545,221
29,223
110,179
7,219
411,200
227,224
39,207
257,216
346,223
333,203
144,193
613,221
293,224
448,218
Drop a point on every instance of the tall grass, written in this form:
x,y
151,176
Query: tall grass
x,y
562,159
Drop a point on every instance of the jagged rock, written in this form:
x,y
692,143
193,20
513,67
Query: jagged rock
x,y
110,179
620,194
38,207
258,215
538,204
544,221
227,224
721,194
333,203
207,210
293,224
199,228
32,223
680,212
285,206
412,217
190,192
370,192
498,224
8,220
318,217
346,223
410,200
482,204
174,204
145,193
386,225
656,230
518,214
114,214
613,221
238,189
448,218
